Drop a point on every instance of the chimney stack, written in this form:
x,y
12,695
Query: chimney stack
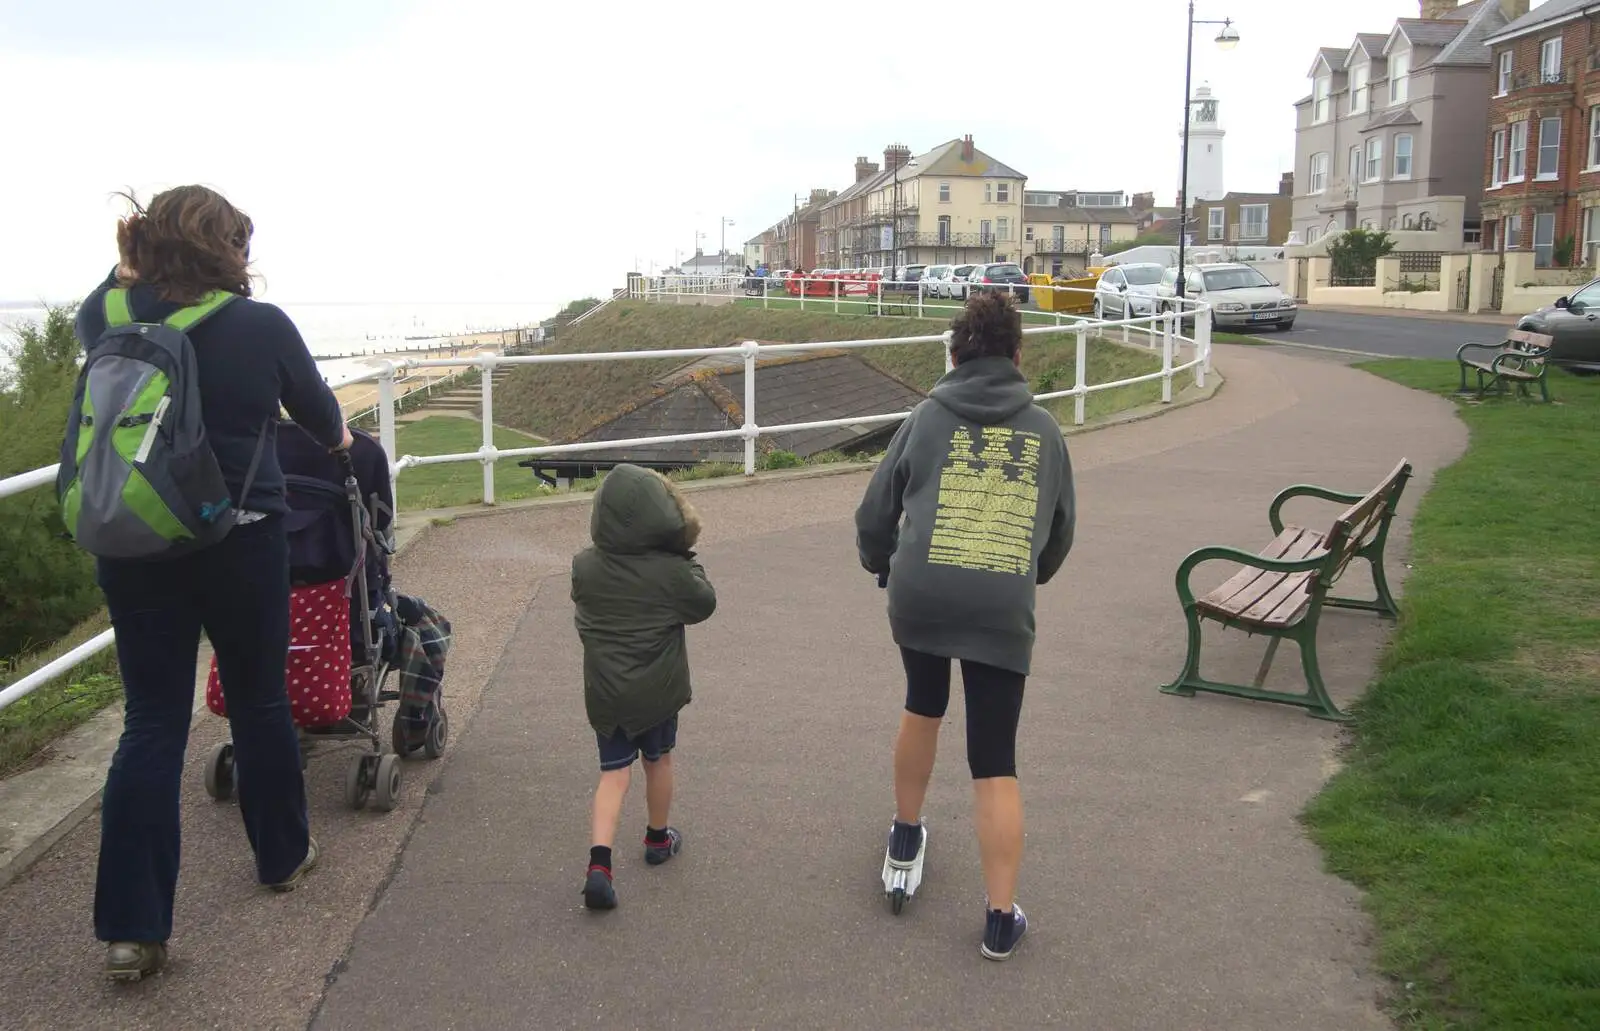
x,y
1513,9
865,169
818,196
1433,10
966,147
1286,185
895,155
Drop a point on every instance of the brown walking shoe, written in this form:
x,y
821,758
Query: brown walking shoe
x,y
305,867
132,961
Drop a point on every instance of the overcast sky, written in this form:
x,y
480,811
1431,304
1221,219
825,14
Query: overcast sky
x,y
491,150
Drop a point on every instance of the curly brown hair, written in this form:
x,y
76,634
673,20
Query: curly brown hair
x,y
188,242
990,327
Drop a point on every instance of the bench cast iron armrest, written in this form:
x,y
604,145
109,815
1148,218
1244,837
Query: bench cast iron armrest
x,y
1244,558
1519,357
1305,490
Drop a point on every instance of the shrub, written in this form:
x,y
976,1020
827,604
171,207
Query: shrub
x,y
1355,252
46,582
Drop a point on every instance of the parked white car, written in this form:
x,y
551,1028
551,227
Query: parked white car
x,y
1239,295
935,279
956,286
1127,291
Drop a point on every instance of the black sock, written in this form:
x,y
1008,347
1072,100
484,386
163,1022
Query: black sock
x,y
652,836
600,855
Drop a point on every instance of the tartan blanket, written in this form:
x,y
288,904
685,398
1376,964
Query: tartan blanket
x,y
424,642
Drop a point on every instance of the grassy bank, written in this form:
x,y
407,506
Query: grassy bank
x,y
563,401
29,725
1470,808
461,483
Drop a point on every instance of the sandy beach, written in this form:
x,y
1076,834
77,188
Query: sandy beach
x,y
359,397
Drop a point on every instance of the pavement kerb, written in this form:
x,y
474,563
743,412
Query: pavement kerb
x,y
44,804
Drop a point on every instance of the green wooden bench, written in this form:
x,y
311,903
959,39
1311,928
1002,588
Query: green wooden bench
x,y
1280,593
1520,360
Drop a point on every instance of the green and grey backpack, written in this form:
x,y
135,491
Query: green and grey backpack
x,y
138,478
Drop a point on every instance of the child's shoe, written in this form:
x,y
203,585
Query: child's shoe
x,y
658,852
1002,932
598,892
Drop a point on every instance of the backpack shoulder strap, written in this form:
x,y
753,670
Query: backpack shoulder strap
x,y
185,319
118,313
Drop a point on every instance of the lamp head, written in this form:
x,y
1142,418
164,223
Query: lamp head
x,y
1228,38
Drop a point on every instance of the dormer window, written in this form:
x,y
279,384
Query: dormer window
x,y
1321,98
1399,77
1360,76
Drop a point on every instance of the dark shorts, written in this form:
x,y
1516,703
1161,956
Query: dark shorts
x,y
994,707
618,751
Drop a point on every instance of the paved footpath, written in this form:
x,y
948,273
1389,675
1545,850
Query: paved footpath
x,y
1167,880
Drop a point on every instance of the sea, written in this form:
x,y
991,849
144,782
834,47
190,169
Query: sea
x,y
339,334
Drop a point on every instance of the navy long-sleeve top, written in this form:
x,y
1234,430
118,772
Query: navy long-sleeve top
x,y
251,359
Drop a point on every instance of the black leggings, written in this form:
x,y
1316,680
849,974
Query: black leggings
x,y
994,705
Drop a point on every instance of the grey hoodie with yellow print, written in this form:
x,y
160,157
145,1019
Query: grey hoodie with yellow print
x,y
635,590
971,508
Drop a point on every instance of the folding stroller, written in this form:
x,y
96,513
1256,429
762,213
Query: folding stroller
x,y
348,628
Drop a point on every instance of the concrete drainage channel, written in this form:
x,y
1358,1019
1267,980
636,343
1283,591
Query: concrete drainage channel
x,y
46,802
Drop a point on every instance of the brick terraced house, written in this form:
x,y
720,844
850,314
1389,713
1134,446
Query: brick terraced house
x,y
1542,157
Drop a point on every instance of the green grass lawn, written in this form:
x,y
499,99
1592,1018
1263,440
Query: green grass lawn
x,y
1470,807
458,483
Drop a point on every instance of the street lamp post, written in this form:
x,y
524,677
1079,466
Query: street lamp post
x,y
722,245
894,216
1227,39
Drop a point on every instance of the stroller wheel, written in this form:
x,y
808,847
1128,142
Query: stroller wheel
x,y
397,736
387,792
358,783
219,772
438,733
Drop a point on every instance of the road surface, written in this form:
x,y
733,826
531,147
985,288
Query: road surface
x,y
1399,336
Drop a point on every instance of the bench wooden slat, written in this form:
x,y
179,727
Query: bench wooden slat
x,y
1256,596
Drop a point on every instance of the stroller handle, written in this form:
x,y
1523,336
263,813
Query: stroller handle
x,y
346,465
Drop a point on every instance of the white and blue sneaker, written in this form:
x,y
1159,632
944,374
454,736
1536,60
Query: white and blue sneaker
x,y
1002,932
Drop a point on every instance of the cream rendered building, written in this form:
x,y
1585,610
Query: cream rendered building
x,y
951,205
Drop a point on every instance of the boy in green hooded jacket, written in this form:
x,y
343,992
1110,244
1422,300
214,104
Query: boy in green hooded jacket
x,y
635,590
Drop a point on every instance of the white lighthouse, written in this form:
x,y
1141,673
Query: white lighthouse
x,y
1205,148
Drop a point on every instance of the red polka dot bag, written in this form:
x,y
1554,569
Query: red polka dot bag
x,y
318,670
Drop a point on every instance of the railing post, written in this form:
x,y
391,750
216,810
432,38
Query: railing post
x,y
919,297
1202,343
386,412
949,358
1081,387
1127,316
1166,358
803,282
488,431
750,430
764,281
836,297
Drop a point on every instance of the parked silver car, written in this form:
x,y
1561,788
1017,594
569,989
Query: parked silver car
x,y
1124,287
1239,295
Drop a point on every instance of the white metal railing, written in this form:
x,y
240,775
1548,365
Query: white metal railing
x,y
1161,329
